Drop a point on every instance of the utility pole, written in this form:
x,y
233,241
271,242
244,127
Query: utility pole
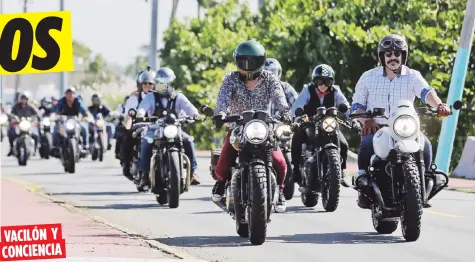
x,y
18,76
152,58
62,75
449,125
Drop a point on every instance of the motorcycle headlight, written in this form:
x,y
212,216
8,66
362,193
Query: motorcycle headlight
x,y
70,124
283,130
25,125
170,131
100,123
3,119
255,131
405,126
329,124
46,121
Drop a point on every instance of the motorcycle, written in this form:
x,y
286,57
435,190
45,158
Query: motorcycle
x,y
396,182
321,163
251,192
46,138
97,138
71,143
170,171
24,144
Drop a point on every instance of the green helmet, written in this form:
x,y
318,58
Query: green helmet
x,y
250,56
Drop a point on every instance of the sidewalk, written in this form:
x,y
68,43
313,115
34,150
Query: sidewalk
x,y
462,185
86,239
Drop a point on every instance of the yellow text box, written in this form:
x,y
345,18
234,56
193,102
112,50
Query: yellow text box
x,y
39,42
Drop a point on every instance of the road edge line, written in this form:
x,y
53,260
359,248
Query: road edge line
x,y
152,243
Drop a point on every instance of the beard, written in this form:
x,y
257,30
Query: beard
x,y
393,64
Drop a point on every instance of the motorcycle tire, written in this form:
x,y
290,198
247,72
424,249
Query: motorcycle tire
x,y
412,214
257,211
331,180
383,227
174,179
289,188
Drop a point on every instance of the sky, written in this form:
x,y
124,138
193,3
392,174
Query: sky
x,y
115,28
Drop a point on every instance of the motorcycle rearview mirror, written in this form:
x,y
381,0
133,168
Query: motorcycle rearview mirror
x,y
343,108
378,111
206,110
299,112
132,112
458,104
141,113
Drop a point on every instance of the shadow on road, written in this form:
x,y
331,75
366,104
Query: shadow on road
x,y
208,212
302,209
205,241
94,193
208,198
339,238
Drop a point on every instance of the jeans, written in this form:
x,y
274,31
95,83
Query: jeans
x,y
229,155
146,151
108,131
366,152
300,137
57,137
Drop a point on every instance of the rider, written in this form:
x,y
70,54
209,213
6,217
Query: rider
x,y
166,97
96,108
45,105
70,105
383,87
133,102
250,88
320,92
291,95
54,101
22,109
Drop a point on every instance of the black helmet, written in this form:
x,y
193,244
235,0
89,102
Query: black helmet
x,y
54,98
70,90
164,80
323,71
126,98
392,42
96,99
274,66
250,56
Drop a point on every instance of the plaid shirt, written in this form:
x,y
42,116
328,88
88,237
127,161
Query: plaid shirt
x,y
290,95
375,90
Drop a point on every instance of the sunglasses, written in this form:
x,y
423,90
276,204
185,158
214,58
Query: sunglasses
x,y
324,81
148,83
392,42
396,53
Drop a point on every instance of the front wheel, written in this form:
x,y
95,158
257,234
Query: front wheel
x,y
331,180
289,188
72,155
22,156
258,205
412,205
174,179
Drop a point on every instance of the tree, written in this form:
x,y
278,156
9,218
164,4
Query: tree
x,y
305,33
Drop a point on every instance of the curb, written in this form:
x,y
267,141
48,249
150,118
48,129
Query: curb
x,y
152,243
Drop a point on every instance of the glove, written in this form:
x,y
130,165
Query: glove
x,y
218,120
199,117
355,124
370,127
443,110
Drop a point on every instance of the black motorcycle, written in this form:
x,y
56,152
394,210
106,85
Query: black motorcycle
x,y
170,171
46,138
71,142
97,138
321,164
251,192
396,182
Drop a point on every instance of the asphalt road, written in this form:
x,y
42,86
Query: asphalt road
x,y
203,230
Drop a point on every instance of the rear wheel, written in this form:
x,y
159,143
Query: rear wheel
x,y
382,227
242,229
